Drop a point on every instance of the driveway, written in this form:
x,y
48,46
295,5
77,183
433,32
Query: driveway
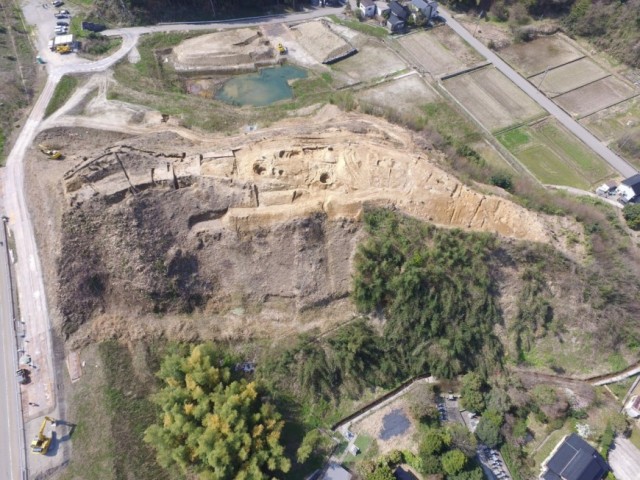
x,y
624,458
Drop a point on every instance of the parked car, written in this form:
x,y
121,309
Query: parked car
x,y
62,24
57,3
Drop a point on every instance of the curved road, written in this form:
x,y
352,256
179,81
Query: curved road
x,y
31,292
619,164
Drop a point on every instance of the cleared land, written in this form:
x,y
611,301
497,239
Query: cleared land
x,y
568,77
322,43
595,96
554,156
440,51
373,60
404,96
493,99
531,58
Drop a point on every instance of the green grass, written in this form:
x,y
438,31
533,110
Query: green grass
x,y
617,363
514,138
549,168
449,123
364,444
620,389
62,93
554,156
361,27
592,167
550,443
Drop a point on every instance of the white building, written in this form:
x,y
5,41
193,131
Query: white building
x,y
368,8
630,188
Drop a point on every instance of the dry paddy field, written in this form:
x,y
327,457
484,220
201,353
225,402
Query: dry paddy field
x,y
440,51
532,58
373,60
595,96
493,99
405,96
568,77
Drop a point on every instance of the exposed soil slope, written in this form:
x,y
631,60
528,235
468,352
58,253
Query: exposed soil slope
x,y
248,232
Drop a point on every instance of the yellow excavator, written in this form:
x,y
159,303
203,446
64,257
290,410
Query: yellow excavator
x,y
282,49
49,152
42,442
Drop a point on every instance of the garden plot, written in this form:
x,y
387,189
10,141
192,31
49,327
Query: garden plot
x,y
404,96
373,60
595,96
440,51
493,99
531,58
568,77
619,127
555,156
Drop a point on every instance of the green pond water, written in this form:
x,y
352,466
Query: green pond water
x,y
267,86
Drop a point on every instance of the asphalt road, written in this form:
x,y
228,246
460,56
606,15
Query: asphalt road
x,y
624,459
11,444
619,164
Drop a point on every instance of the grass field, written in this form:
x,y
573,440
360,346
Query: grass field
x,y
62,93
549,444
361,27
554,156
568,77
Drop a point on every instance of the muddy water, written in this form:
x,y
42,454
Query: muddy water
x,y
267,86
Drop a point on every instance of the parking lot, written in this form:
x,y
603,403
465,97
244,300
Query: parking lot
x,y
492,463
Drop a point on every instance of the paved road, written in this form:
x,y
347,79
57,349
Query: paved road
x,y
11,439
624,459
619,164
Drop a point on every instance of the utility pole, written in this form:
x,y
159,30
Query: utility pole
x,y
546,70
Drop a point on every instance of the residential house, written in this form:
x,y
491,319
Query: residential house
x,y
633,407
382,8
336,472
574,459
368,8
427,8
398,15
629,189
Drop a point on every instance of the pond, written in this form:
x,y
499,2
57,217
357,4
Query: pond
x,y
393,424
267,86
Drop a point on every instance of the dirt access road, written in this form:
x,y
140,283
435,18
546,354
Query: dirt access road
x,y
619,164
31,293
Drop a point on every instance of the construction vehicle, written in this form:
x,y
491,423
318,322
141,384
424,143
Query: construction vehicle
x,y
42,442
23,376
64,48
49,152
282,49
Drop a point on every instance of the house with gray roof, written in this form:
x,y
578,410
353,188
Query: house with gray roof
x,y
574,459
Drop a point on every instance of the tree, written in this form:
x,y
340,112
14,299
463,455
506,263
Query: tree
x,y
453,462
502,180
422,404
631,213
471,396
310,443
212,423
433,442
462,439
488,430
382,472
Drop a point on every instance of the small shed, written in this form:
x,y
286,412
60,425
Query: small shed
x,y
382,8
61,40
629,189
368,8
336,472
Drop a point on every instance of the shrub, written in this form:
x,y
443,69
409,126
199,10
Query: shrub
x,y
631,213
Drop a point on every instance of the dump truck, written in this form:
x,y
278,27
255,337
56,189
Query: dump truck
x,y
42,442
49,152
282,49
63,49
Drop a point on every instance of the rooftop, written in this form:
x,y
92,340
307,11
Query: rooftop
x,y
575,459
633,182
336,472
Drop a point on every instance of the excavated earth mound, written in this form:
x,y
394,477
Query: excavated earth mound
x,y
267,221
226,51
